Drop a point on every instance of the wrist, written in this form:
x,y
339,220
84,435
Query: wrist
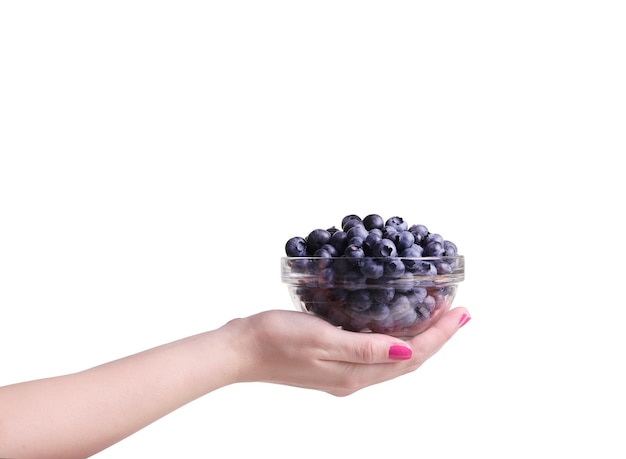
x,y
246,346
232,352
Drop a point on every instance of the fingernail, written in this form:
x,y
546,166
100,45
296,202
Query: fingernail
x,y
400,353
465,318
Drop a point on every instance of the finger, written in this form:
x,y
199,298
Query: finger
x,y
430,341
371,348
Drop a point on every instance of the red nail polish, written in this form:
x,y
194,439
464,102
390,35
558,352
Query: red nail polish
x,y
465,318
400,353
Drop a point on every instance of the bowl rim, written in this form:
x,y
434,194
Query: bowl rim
x,y
297,277
376,258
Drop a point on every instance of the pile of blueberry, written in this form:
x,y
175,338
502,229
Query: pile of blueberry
x,y
373,274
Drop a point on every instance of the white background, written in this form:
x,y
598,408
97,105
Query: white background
x,y
155,156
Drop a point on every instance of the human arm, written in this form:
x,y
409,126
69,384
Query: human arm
x,y
80,414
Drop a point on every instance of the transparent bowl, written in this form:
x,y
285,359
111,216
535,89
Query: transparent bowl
x,y
401,297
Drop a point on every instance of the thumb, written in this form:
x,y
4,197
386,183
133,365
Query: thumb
x,y
369,348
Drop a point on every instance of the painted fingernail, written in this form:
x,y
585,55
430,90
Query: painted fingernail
x,y
465,318
400,353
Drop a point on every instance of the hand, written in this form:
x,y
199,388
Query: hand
x,y
297,349
105,404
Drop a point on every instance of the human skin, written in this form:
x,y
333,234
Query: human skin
x,y
79,414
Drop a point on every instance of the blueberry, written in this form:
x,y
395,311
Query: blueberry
x,y
300,265
400,304
356,241
354,251
416,295
353,280
406,320
339,240
433,248
398,223
425,268
432,237
419,231
373,221
349,220
428,304
357,230
342,265
403,282
415,251
450,249
329,249
379,311
383,325
384,248
403,313
359,300
296,247
326,276
403,240
383,294
389,232
370,240
322,253
325,258
336,316
373,268
394,268
316,239
443,267
357,323
439,293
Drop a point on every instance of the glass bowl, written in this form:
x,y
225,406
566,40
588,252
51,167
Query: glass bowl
x,y
401,297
